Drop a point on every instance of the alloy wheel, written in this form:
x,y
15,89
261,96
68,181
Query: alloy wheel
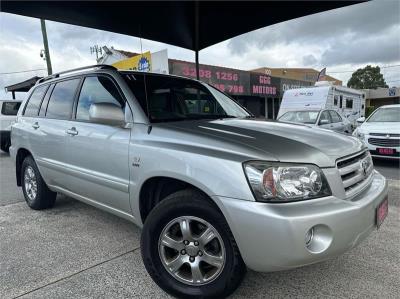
x,y
30,183
192,250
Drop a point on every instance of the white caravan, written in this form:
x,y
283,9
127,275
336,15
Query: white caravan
x,y
348,102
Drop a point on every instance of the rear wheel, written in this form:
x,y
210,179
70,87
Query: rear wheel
x,y
188,248
37,195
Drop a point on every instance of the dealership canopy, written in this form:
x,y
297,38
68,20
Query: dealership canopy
x,y
194,25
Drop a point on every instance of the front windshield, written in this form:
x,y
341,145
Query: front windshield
x,y
174,99
386,115
304,117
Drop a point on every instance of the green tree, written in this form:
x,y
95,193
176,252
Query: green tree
x,y
367,78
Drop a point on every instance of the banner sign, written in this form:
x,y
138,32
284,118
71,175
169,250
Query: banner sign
x,y
228,80
263,85
287,84
141,63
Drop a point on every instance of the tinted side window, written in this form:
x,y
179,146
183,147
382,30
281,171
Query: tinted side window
x,y
336,118
45,101
62,99
325,116
10,108
97,90
32,108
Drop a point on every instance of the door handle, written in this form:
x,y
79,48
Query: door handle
x,y
35,125
72,131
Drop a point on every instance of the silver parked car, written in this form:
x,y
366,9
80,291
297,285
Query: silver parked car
x,y
325,119
214,189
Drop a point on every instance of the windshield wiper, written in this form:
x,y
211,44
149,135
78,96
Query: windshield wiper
x,y
218,116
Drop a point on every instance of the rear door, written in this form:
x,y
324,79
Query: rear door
x,y
29,122
98,154
51,125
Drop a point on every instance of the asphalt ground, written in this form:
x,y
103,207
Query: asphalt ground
x,y
77,251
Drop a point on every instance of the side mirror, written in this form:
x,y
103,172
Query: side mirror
x,y
106,114
323,122
361,119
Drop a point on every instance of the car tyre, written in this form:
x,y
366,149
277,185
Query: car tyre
x,y
196,207
37,195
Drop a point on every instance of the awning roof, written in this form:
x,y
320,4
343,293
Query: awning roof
x,y
24,86
192,25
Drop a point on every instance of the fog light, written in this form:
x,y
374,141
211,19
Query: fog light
x,y
309,236
318,238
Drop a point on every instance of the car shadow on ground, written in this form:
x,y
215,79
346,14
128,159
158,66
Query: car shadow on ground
x,y
387,163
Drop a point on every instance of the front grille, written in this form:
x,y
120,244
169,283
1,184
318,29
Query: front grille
x,y
355,172
384,134
384,142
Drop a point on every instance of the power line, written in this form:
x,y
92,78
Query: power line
x,y
382,67
18,72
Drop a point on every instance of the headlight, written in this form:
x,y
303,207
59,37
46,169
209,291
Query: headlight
x,y
359,134
280,182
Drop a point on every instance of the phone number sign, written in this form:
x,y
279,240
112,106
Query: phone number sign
x,y
227,80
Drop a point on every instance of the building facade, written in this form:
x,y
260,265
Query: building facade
x,y
261,94
301,74
382,96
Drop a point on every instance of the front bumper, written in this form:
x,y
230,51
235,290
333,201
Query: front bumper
x,y
271,237
373,149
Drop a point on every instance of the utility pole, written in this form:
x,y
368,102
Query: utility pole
x,y
96,49
46,47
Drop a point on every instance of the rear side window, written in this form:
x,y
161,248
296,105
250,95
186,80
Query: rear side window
x,y
62,99
97,90
336,118
10,108
32,108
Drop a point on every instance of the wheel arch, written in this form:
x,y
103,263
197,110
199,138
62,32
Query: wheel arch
x,y
22,153
156,189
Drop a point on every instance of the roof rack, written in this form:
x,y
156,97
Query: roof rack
x,y
97,66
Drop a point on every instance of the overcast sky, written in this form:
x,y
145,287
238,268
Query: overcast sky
x,y
341,40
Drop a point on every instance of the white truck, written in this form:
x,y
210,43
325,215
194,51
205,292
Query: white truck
x,y
8,112
348,102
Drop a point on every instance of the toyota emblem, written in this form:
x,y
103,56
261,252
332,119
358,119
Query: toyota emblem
x,y
364,166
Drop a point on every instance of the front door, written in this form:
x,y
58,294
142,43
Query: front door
x,y
98,155
337,121
325,120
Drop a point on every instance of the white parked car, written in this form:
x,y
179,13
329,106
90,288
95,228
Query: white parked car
x,y
8,112
325,119
381,132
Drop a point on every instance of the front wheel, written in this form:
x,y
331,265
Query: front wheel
x,y
188,248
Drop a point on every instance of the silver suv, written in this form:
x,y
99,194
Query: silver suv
x,y
214,189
